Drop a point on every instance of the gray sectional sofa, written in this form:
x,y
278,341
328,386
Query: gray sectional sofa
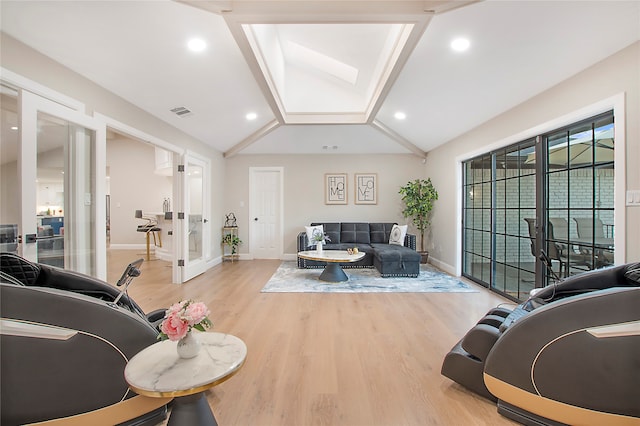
x,y
391,260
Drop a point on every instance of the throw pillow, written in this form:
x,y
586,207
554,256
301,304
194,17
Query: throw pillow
x,y
313,230
398,232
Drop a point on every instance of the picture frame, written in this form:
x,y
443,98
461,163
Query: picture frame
x,y
366,188
335,188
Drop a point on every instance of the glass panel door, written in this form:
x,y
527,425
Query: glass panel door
x,y
549,196
59,209
196,237
580,201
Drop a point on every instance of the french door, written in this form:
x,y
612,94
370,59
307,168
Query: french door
x,y
58,217
194,217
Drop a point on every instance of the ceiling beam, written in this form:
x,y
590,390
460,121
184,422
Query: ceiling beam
x,y
376,124
268,128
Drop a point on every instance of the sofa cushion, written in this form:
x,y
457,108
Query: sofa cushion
x,y
379,232
331,230
355,233
396,261
392,252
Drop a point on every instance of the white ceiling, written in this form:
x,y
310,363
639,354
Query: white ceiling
x,y
137,49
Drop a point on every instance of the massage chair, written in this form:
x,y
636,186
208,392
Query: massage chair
x,y
66,339
568,355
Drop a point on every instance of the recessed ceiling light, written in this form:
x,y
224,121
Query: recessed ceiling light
x,y
197,45
400,115
460,44
251,116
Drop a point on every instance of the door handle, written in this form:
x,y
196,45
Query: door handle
x,y
205,220
255,219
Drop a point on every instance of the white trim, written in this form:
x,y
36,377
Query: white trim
x,y
615,102
136,133
20,82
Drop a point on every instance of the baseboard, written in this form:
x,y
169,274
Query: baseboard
x,y
442,265
128,246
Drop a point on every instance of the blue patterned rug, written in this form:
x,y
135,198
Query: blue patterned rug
x,y
289,279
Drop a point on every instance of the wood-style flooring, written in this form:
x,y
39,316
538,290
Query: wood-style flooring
x,y
327,359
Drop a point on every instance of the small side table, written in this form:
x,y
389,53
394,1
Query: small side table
x,y
158,371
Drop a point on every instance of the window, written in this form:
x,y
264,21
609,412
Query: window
x,y
510,193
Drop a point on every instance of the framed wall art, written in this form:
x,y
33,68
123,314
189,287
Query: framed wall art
x,y
366,188
335,188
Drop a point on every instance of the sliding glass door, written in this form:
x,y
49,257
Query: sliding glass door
x,y
541,209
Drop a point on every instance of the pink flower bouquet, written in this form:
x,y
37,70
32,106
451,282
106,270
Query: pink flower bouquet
x,y
181,317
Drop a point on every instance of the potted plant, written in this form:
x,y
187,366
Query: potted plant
x,y
233,241
418,197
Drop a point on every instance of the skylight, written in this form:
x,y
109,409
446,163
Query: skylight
x,y
327,72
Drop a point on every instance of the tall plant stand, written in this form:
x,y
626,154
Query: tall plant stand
x,y
227,247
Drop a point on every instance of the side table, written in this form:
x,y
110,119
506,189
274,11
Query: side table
x,y
158,371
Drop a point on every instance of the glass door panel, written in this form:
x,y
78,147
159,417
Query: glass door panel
x,y
197,230
58,160
194,181
65,192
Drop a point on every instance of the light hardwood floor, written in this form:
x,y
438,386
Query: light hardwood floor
x,y
327,359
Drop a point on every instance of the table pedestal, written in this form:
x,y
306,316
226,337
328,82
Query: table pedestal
x,y
191,410
333,273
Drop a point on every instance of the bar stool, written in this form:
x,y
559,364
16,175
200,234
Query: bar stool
x,y
150,228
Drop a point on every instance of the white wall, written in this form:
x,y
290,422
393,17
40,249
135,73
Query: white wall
x,y
620,73
133,186
304,189
24,61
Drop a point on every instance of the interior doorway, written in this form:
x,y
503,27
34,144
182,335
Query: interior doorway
x,y
139,191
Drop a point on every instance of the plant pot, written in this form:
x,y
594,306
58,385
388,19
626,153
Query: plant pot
x,y
424,257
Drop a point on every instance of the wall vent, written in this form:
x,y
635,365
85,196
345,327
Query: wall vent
x,y
181,111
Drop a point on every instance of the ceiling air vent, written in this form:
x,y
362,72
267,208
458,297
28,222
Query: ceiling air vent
x,y
181,111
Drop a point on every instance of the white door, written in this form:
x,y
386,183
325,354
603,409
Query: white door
x,y
266,212
195,221
61,152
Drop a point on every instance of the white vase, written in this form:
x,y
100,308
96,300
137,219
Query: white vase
x,y
319,247
188,346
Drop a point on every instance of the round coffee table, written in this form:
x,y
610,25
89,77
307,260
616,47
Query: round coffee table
x,y
157,371
333,272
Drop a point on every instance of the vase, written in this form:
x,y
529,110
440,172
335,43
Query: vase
x,y
188,346
319,247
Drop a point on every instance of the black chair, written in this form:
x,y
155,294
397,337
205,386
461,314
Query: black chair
x,y
557,250
150,228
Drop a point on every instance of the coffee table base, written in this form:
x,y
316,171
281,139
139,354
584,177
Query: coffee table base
x,y
192,410
333,273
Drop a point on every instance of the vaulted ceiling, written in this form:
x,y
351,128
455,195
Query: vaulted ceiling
x,y
301,77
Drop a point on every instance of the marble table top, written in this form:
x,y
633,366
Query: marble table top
x,y
331,255
158,371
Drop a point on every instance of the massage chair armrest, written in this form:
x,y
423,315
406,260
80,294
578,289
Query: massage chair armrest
x,y
529,347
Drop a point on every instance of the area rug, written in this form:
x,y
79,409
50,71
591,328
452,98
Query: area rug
x,y
289,279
